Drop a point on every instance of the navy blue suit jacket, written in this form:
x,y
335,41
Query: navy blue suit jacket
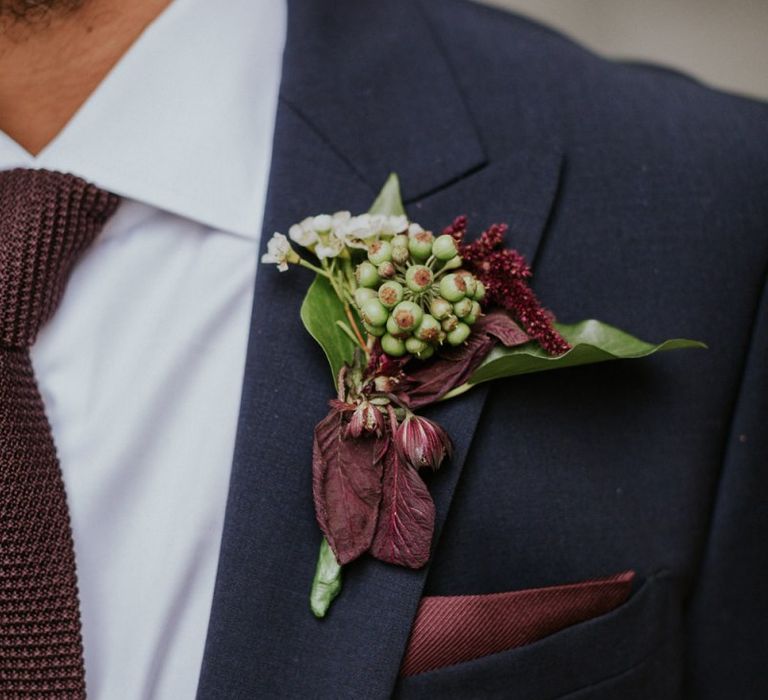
x,y
641,198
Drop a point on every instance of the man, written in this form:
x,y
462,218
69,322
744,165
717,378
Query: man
x,y
183,420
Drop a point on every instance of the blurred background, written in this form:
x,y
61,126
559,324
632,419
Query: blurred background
x,y
721,42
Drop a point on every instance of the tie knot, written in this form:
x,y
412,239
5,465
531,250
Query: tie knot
x,y
47,220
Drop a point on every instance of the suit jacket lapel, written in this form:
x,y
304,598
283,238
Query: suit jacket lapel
x,y
335,141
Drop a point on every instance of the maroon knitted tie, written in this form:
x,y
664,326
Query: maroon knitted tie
x,y
47,220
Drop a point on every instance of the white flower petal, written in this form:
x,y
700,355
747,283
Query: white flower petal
x,y
322,223
302,235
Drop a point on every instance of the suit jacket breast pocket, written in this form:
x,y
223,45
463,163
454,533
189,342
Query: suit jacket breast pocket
x,y
629,651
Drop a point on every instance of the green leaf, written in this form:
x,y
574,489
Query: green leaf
x,y
320,312
389,201
591,341
327,582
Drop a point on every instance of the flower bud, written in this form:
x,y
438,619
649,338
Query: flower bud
x,y
366,418
384,384
421,442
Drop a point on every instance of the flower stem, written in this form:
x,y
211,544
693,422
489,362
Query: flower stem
x,y
314,268
359,335
348,332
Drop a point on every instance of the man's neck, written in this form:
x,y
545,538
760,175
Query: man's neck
x,y
47,71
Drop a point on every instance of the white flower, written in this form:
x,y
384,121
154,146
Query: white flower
x,y
329,247
303,233
394,225
414,228
322,223
279,252
340,218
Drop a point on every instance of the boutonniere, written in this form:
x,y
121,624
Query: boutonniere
x,y
408,318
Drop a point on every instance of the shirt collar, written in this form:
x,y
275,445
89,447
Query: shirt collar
x,y
185,120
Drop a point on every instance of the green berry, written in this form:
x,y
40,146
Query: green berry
x,y
392,346
453,264
469,282
459,334
428,330
400,255
444,247
387,270
440,308
463,307
380,252
407,315
376,331
479,291
426,353
449,323
420,245
363,294
391,294
415,346
374,313
473,315
418,278
452,287
366,274
399,241
394,330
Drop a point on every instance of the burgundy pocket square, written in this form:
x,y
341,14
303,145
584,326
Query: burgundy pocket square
x,y
451,629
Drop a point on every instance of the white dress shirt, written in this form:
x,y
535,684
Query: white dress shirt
x,y
141,367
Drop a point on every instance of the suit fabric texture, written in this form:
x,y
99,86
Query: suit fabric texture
x,y
639,195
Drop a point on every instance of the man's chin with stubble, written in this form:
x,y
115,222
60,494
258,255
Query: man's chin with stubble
x,y
34,11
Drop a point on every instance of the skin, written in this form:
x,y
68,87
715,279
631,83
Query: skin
x,y
53,55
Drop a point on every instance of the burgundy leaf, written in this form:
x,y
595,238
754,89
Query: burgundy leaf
x,y
425,383
346,484
407,516
500,325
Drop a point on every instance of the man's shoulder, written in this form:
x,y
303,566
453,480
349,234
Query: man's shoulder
x,y
500,49
515,70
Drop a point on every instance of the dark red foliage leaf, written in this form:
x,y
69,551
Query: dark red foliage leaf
x,y
346,485
500,325
424,383
407,516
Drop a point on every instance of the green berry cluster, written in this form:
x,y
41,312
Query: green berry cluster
x,y
413,295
